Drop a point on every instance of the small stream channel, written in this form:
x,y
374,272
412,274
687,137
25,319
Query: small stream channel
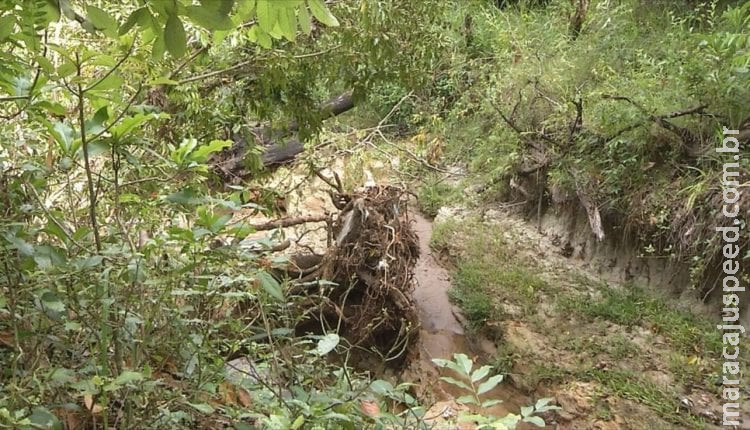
x,y
442,335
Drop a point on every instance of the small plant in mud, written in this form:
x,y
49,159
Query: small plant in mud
x,y
479,382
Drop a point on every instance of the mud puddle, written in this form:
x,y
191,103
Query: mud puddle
x,y
443,335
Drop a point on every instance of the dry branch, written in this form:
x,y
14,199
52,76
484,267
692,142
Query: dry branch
x,y
289,222
691,141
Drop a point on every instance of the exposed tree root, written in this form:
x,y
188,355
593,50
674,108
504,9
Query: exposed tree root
x,y
371,263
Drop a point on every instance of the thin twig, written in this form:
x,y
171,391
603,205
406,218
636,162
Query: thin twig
x,y
86,161
111,70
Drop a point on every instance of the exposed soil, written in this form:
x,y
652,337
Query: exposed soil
x,y
441,336
605,375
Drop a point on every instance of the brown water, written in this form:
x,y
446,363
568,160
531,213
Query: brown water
x,y
442,335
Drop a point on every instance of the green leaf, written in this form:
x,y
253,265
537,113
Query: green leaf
x,y
63,135
305,24
44,63
159,46
185,197
164,80
24,248
42,418
543,402
202,153
113,80
287,23
209,18
62,376
127,377
102,20
527,411
256,34
99,147
327,343
7,26
489,384
456,382
89,262
271,285
128,123
465,362
203,407
82,233
52,107
491,403
449,364
321,13
245,9
480,373
299,422
219,223
52,302
467,400
266,14
223,7
381,387
66,69
139,16
537,421
174,36
46,256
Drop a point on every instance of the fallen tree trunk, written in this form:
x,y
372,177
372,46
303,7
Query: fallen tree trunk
x,y
231,163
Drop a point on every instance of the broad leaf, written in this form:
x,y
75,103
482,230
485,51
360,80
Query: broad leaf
x,y
321,13
7,26
305,24
42,418
174,36
139,16
327,343
489,384
271,285
51,301
480,373
266,14
102,21
287,23
456,382
467,400
185,197
465,362
127,377
209,18
201,154
203,407
537,421
381,387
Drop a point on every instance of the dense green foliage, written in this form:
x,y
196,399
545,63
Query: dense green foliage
x,y
541,117
124,289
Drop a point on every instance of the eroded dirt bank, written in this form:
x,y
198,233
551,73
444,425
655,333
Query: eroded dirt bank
x,y
613,355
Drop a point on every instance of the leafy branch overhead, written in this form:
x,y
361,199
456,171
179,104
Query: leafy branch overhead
x,y
163,23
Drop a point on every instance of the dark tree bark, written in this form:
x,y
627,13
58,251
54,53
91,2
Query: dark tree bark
x,y
231,163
